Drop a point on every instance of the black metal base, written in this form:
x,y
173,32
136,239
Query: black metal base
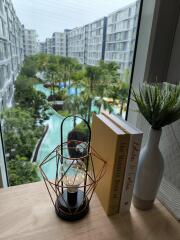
x,y
72,212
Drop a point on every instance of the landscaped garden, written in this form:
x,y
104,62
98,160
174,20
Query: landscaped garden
x,y
66,88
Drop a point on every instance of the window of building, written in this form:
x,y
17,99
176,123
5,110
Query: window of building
x,y
1,50
1,27
1,6
2,80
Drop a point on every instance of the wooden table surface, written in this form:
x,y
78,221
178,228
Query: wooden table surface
x,y
26,212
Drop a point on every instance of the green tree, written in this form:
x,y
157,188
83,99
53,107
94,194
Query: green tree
x,y
42,62
21,171
20,133
51,76
109,76
89,92
126,75
27,97
68,65
29,68
97,82
74,106
119,92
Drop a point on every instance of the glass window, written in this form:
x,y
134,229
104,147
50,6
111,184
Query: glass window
x,y
1,6
1,28
1,50
98,59
2,80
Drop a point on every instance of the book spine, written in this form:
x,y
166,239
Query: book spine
x,y
130,172
118,174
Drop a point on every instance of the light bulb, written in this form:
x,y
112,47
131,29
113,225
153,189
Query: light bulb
x,y
74,174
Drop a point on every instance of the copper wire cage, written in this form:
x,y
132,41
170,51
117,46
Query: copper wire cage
x,y
71,193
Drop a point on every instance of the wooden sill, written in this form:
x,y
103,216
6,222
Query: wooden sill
x,y
26,213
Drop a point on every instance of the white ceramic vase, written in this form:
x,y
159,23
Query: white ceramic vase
x,y
149,172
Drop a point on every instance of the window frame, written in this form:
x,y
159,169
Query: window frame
x,y
134,57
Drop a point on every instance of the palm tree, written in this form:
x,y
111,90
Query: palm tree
x,y
101,102
51,76
96,85
108,77
77,77
42,62
123,95
76,103
60,74
92,75
119,91
73,104
69,65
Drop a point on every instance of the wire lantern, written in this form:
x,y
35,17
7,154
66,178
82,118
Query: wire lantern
x,y
76,177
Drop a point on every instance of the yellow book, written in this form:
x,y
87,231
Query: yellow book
x,y
132,159
111,142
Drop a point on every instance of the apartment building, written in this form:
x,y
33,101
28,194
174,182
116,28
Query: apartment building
x,y
76,44
59,44
66,31
110,38
120,36
48,45
30,42
11,51
42,47
95,41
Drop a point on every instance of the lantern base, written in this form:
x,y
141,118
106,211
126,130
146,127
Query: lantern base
x,y
69,212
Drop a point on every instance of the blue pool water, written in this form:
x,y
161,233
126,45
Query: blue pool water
x,y
51,140
53,135
72,91
47,91
41,88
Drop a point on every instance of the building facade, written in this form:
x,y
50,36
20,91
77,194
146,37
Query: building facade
x,y
30,42
110,38
48,45
42,47
59,44
11,51
95,41
76,44
121,35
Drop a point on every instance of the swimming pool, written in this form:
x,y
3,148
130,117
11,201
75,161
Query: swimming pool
x,y
39,87
51,140
53,135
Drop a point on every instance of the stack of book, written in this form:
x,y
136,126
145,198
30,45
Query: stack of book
x,y
119,144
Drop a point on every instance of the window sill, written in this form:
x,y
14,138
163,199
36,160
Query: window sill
x,y
26,212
